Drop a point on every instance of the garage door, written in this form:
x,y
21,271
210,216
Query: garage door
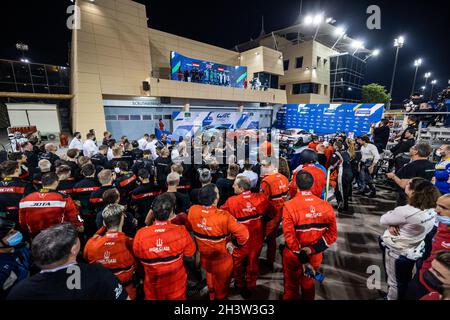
x,y
135,122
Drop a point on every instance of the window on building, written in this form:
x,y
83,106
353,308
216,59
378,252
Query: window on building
x,y
157,117
305,88
167,117
111,117
40,89
299,62
135,117
325,63
38,74
22,73
283,87
318,62
6,72
123,117
286,65
147,117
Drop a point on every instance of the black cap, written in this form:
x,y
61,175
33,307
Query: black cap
x,y
308,156
5,227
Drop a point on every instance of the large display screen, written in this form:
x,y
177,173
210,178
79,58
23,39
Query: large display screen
x,y
192,70
330,118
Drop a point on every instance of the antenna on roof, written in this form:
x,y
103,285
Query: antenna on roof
x,y
263,32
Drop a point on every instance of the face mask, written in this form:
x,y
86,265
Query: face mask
x,y
432,281
443,219
14,240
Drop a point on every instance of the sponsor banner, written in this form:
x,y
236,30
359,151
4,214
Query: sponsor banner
x,y
188,123
330,118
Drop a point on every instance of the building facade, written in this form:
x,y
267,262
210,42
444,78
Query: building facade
x,y
347,78
121,72
310,63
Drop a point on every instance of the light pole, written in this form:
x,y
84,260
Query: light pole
x,y
423,91
398,43
340,32
433,83
417,64
358,45
22,47
427,75
374,53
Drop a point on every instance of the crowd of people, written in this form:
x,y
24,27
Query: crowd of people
x,y
143,220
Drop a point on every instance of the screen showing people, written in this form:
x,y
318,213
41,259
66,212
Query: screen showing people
x,y
191,70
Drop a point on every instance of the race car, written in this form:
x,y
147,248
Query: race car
x,y
295,136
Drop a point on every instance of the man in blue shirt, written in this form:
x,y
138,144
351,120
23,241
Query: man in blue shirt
x,y
442,170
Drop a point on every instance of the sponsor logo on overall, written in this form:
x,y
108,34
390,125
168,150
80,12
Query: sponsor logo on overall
x,y
312,213
159,247
204,225
249,208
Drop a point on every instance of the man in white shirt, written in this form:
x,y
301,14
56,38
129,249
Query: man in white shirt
x,y
248,173
369,159
89,146
151,145
143,142
76,142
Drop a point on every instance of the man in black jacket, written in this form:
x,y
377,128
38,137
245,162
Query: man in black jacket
x,y
381,135
403,146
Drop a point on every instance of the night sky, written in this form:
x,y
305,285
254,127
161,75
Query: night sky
x,y
42,25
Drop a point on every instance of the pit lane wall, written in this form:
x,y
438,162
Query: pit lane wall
x,y
354,119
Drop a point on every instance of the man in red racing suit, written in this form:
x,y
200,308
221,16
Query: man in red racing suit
x,y
308,163
275,186
309,228
212,229
248,209
48,207
161,249
111,248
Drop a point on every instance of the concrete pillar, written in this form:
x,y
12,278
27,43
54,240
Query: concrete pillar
x,y
186,106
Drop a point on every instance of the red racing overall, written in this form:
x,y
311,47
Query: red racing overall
x,y
275,186
308,222
212,228
248,209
